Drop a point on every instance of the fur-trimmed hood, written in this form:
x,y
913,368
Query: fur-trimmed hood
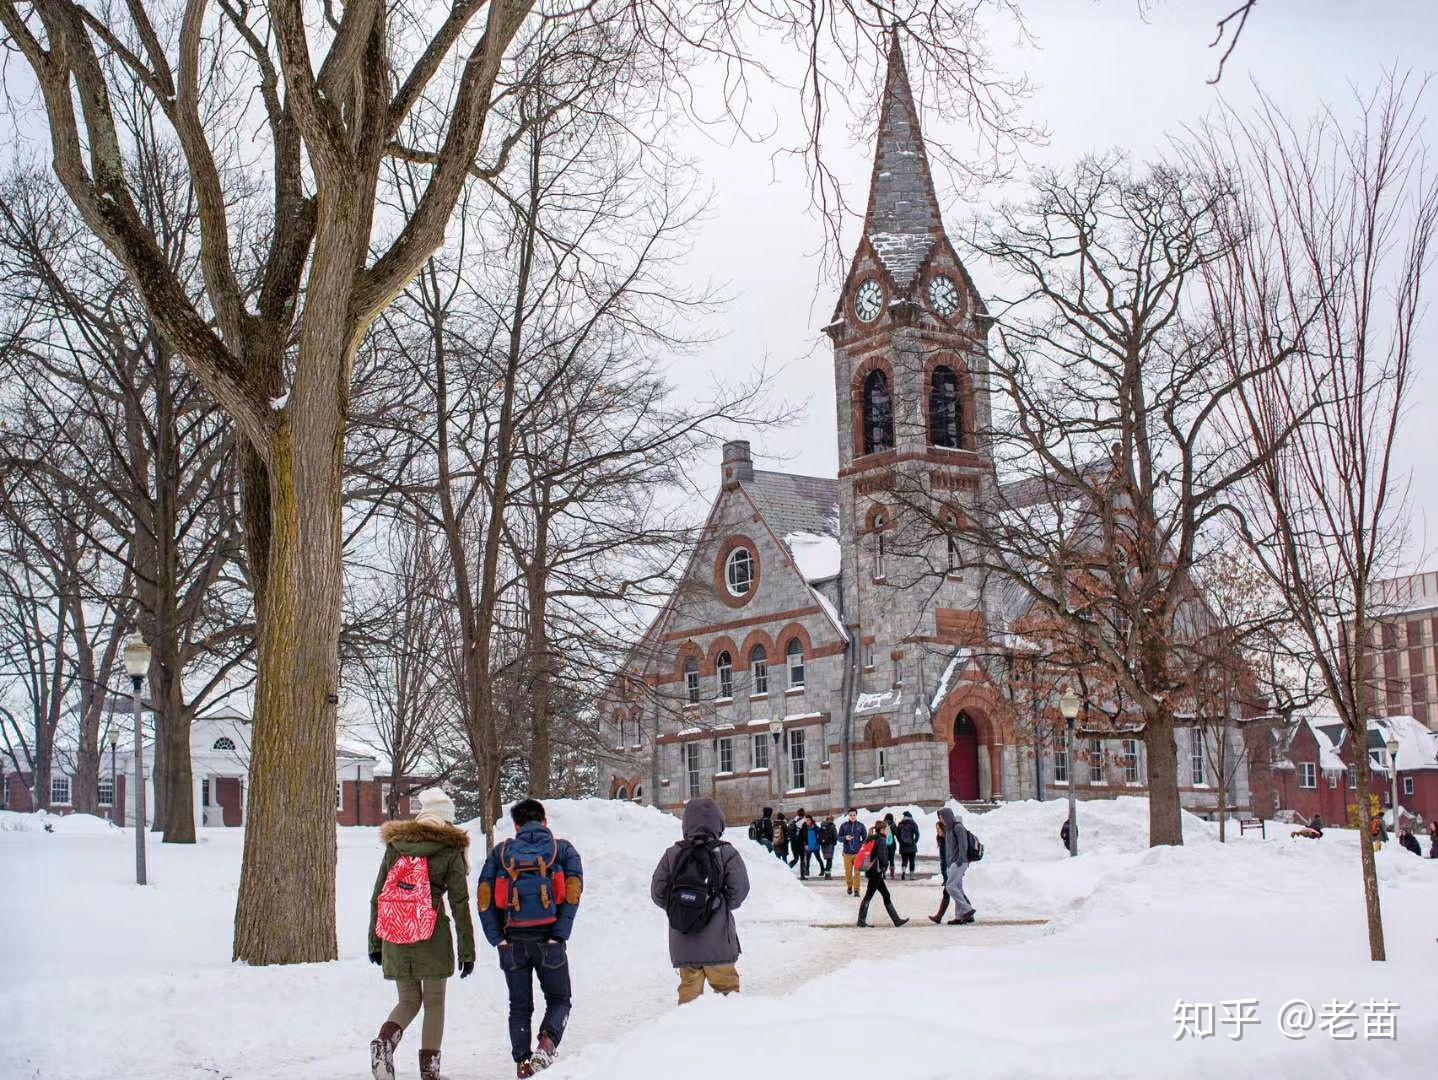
x,y
424,832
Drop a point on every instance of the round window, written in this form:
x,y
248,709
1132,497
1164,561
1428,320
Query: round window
x,y
739,571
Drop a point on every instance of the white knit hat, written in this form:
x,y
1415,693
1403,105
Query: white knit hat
x,y
435,805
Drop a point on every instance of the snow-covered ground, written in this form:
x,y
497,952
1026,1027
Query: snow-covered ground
x,y
102,979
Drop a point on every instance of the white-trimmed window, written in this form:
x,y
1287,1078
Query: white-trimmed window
x,y
1095,762
621,725
1130,761
1061,766
1353,777
224,742
205,791
637,793
1307,774
739,572
955,565
59,790
1408,785
869,656
621,792
880,547
759,665
339,794
798,773
794,654
691,769
691,681
761,751
725,669
726,754
881,763
106,791
1195,763
1333,779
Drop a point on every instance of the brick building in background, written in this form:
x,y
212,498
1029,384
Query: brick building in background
x,y
220,769
1403,660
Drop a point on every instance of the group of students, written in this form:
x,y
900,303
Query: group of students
x,y
870,855
1378,829
528,895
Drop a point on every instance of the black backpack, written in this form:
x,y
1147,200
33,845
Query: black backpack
x,y
976,847
696,886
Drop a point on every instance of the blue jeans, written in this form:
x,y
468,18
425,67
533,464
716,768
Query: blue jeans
x,y
521,960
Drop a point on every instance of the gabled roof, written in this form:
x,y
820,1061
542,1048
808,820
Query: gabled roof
x,y
796,504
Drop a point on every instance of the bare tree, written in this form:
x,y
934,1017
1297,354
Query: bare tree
x,y
1319,297
1106,392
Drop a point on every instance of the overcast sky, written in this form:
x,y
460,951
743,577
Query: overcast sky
x,y
1104,77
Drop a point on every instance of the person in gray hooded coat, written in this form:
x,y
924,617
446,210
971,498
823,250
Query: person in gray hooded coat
x,y
711,952
956,856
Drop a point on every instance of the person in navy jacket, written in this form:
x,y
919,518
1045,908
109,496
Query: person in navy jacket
x,y
528,896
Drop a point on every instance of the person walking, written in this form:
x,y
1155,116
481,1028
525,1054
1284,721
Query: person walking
x,y
1065,836
796,838
956,842
828,841
891,835
943,871
409,932
811,856
908,846
1433,840
700,882
529,893
852,835
781,837
1407,840
766,829
879,856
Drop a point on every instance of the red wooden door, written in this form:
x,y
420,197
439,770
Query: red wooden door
x,y
964,760
230,796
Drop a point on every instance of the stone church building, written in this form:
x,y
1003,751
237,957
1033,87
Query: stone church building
x,y
820,652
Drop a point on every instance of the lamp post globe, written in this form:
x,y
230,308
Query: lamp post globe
x,y
776,729
1069,705
137,665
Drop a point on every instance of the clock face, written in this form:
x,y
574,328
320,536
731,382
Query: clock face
x,y
943,296
868,301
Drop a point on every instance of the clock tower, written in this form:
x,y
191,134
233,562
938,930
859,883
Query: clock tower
x,y
911,376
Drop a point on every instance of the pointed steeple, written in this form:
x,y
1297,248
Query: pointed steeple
x,y
903,221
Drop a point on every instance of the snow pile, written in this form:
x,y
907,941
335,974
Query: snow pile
x,y
41,821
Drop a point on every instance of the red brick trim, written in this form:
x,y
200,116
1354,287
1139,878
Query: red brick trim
x,y
757,637
794,630
721,586
737,624
956,364
936,455
877,362
718,645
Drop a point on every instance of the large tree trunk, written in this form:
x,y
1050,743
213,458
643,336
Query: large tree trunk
x,y
1165,819
286,907
542,686
85,793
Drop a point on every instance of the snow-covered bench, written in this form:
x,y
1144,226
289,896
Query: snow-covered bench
x,y
1245,824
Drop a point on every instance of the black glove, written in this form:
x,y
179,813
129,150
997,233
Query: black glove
x,y
466,969
376,957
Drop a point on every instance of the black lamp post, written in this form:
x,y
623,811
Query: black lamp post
x,y
1069,707
137,665
112,738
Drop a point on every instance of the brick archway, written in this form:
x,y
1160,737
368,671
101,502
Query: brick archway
x,y
984,708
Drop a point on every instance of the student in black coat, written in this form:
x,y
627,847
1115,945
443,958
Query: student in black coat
x,y
828,840
796,838
908,845
879,861
1408,840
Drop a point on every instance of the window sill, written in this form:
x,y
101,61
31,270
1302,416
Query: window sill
x,y
724,700
757,694
793,690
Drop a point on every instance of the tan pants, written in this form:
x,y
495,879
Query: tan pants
x,y
413,994
851,876
723,978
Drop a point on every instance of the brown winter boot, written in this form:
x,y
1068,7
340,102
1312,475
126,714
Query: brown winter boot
x,y
429,1065
544,1056
381,1051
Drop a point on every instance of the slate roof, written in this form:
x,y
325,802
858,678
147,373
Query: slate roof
x,y
903,221
796,504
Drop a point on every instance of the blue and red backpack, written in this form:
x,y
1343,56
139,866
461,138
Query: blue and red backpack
x,y
530,888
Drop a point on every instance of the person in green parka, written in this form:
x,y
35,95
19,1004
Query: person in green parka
x,y
421,969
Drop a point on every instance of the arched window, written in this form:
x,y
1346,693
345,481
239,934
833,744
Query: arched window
x,y
739,571
224,742
795,656
621,792
724,666
759,665
878,413
691,681
637,793
945,417
621,724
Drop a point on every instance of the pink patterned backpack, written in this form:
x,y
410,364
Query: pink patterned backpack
x,y
406,909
